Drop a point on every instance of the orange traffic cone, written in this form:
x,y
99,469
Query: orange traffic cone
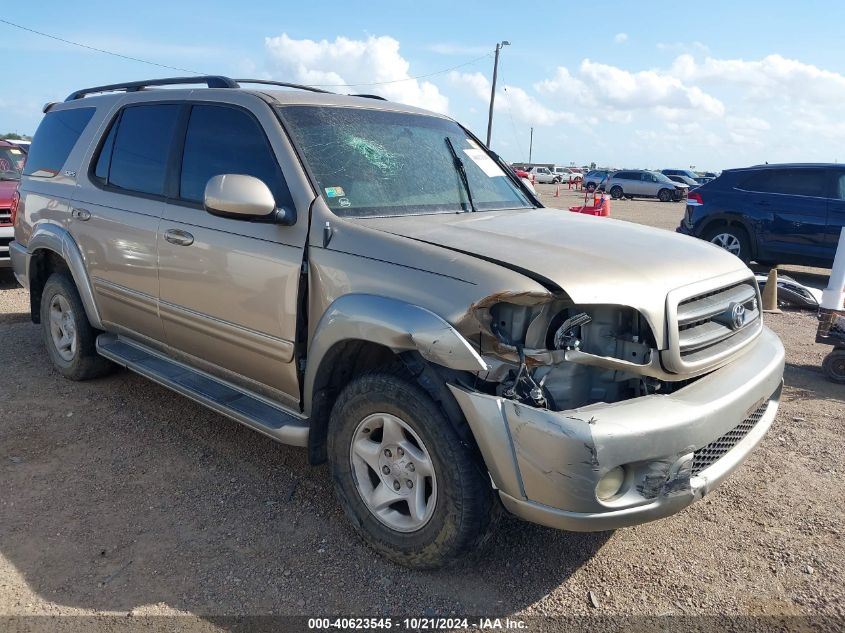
x,y
557,191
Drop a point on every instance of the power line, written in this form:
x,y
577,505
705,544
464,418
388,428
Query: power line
x,y
101,50
197,72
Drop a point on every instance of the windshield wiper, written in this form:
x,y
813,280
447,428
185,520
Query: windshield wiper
x,y
462,172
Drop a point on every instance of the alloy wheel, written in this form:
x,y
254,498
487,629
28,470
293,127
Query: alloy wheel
x,y
393,472
728,241
63,327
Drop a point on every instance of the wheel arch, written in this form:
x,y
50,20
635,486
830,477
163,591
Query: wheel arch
x,y
52,248
728,219
360,333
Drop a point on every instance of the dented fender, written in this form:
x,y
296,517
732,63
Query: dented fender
x,y
395,324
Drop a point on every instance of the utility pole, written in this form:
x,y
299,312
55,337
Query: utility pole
x,y
531,146
499,47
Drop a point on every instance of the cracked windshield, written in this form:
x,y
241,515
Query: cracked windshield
x,y
372,162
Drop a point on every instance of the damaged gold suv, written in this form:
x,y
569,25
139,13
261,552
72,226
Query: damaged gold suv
x,y
367,280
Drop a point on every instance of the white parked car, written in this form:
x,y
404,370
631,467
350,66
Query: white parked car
x,y
568,174
544,175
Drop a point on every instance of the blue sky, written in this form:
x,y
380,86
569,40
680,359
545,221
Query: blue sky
x,y
645,84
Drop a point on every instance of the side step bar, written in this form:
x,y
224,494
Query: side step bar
x,y
248,409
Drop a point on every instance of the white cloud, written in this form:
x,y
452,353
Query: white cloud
x,y
774,76
477,83
511,99
602,85
620,38
375,60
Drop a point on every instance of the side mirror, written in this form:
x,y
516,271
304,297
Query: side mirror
x,y
244,197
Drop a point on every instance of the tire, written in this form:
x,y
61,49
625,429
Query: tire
x,y
381,413
834,366
616,192
664,195
68,336
591,187
732,238
555,181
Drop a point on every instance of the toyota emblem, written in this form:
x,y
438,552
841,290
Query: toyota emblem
x,y
737,316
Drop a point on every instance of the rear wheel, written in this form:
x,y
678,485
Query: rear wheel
x,y
664,195
413,490
616,192
591,187
733,239
69,337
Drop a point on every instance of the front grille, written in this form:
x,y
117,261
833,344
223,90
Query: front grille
x,y
713,324
708,455
5,216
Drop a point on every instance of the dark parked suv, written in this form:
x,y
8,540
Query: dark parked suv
x,y
773,214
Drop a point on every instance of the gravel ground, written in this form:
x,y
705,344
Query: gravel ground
x,y
119,496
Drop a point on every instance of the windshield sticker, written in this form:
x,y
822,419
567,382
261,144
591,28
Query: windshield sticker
x,y
335,192
484,162
344,202
15,151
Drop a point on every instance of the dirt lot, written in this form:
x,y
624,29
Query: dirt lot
x,y
119,496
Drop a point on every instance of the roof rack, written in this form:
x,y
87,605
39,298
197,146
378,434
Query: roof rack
x,y
366,96
211,81
283,84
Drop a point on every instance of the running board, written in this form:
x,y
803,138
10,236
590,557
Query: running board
x,y
248,409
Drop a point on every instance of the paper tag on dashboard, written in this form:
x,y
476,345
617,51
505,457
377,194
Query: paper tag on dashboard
x,y
484,162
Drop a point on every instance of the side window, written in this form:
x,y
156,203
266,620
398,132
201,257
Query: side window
x,y
840,186
762,182
805,182
225,140
54,140
101,170
795,182
141,147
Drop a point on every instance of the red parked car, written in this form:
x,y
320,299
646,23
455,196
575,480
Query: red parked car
x,y
11,165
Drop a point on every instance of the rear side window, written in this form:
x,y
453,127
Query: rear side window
x,y
225,140
796,182
54,140
139,149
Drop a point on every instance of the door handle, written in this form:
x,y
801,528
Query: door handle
x,y
81,214
181,238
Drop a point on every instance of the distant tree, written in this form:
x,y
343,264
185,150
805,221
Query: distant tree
x,y
14,136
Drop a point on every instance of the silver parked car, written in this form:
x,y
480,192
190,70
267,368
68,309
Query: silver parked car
x,y
366,280
641,183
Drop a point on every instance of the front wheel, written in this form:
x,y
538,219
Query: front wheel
x,y
413,490
664,195
591,187
834,365
616,192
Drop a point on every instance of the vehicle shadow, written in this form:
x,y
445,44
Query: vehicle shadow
x,y
7,279
119,495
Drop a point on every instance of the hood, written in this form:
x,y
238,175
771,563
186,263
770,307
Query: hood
x,y
7,188
595,260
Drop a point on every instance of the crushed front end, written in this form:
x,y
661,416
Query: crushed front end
x,y
586,422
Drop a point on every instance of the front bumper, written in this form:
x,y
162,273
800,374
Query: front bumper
x,y
6,234
546,464
19,261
